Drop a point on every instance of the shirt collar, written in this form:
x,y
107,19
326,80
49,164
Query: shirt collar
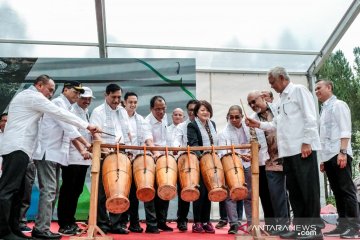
x,y
66,101
153,120
287,90
327,102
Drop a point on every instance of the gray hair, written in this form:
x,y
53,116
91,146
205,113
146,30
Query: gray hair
x,y
277,71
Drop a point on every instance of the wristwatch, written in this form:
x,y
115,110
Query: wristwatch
x,y
343,151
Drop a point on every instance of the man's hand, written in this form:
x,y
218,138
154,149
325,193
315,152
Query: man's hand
x,y
322,168
342,160
252,123
86,155
93,129
305,150
246,157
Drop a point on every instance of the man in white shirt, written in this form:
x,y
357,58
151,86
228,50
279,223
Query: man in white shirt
x,y
25,110
297,140
180,140
272,187
113,120
53,152
177,118
140,132
336,159
3,120
73,174
157,209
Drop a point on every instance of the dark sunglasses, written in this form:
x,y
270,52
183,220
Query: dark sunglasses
x,y
253,101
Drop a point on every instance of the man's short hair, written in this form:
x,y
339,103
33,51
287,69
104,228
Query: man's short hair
x,y
327,82
44,79
129,94
192,101
154,99
112,87
3,114
277,71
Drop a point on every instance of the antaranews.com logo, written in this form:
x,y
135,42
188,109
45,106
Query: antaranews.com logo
x,y
301,230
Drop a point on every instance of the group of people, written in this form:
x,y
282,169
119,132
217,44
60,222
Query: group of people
x,y
52,138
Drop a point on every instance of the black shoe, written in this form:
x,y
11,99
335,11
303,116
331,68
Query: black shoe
x,y
289,235
233,229
25,229
21,234
105,228
350,233
44,235
68,230
119,230
135,228
164,227
221,224
335,232
152,229
12,236
182,226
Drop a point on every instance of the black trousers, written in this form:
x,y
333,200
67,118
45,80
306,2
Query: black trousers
x,y
133,211
265,197
202,206
156,211
302,179
12,190
183,206
344,191
73,180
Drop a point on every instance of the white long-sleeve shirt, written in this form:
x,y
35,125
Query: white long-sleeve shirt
x,y
98,118
242,137
296,121
75,157
180,134
25,110
335,123
55,136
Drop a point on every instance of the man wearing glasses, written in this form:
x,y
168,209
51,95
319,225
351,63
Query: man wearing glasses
x,y
51,153
297,140
272,172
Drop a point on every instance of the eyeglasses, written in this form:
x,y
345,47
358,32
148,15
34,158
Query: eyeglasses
x,y
252,102
234,117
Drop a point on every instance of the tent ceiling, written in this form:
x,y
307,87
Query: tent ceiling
x,y
223,35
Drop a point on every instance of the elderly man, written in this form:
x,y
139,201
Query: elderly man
x,y
52,153
336,157
297,140
177,118
113,119
25,110
73,174
272,177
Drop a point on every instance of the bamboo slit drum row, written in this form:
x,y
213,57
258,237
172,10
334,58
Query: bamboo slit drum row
x,y
222,176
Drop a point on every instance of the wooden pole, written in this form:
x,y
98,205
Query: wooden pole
x,y
92,229
255,189
195,148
